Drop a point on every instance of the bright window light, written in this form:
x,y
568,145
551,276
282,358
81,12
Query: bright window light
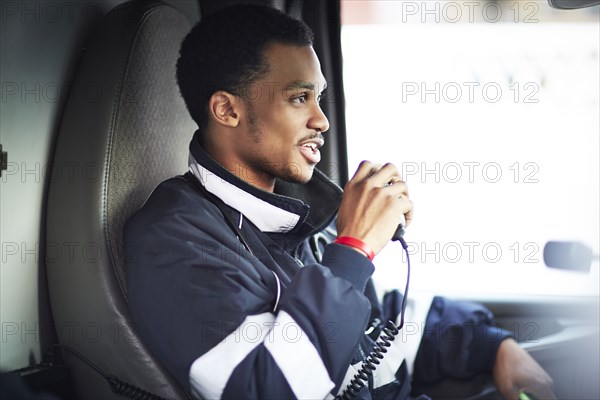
x,y
493,118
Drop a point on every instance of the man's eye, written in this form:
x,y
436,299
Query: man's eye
x,y
299,99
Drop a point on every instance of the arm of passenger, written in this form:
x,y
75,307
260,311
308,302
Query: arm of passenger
x,y
459,341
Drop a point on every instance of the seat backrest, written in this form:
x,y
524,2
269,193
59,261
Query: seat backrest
x,y
127,133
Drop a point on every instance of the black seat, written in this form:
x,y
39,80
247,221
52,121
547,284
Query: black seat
x,y
118,145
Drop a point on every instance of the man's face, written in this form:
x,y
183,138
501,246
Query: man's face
x,y
281,134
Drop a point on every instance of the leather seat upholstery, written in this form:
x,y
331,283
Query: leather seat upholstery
x,y
129,133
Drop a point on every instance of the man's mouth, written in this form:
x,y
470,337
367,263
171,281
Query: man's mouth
x,y
310,149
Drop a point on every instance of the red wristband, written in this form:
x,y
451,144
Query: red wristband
x,y
357,244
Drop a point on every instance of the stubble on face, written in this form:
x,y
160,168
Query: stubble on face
x,y
252,121
291,173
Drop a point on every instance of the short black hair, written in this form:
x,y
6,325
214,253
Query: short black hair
x,y
225,51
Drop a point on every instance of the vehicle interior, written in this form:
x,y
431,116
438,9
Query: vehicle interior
x,y
92,120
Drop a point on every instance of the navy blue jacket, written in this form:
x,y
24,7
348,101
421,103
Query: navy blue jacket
x,y
259,316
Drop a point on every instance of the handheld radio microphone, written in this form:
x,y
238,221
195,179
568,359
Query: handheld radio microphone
x,y
400,230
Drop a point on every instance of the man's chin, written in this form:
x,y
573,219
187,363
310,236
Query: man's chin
x,y
300,177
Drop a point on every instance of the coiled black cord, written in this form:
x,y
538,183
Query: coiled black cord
x,y
116,385
130,391
389,333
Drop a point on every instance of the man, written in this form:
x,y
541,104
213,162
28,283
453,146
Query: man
x,y
222,284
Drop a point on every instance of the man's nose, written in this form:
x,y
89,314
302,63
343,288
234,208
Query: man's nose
x,y
319,121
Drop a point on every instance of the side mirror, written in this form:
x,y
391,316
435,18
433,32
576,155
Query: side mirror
x,y
571,256
573,4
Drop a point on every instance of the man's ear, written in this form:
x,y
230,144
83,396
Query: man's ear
x,y
224,109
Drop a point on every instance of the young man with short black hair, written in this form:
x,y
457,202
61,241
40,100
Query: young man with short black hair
x,y
223,285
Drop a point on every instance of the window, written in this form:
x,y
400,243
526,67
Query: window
x,y
491,112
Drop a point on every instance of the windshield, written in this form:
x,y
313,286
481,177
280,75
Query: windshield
x,y
491,111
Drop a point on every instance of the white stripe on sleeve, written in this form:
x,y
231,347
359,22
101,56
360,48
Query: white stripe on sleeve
x,y
298,359
210,372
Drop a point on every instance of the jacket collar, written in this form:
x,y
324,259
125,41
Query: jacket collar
x,y
315,203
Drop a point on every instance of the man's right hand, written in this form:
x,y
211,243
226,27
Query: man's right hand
x,y
374,201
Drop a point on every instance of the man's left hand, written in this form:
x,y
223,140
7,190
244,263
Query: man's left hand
x,y
515,371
